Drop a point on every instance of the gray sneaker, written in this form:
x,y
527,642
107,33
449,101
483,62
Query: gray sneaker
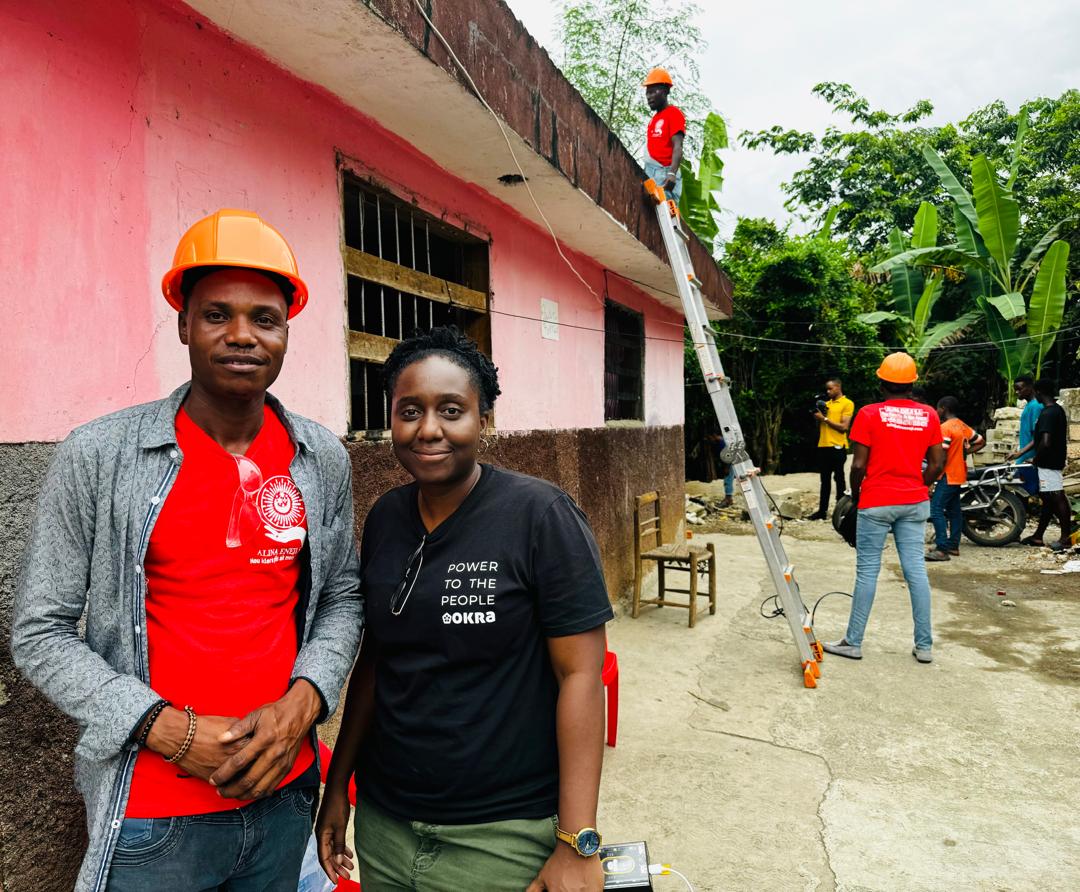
x,y
922,654
842,649
936,555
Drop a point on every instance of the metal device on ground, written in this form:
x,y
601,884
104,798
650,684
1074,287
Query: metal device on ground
x,y
781,569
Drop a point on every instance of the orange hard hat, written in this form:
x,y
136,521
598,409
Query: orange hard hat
x,y
898,368
234,238
658,76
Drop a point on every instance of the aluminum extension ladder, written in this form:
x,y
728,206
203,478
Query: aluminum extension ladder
x,y
757,502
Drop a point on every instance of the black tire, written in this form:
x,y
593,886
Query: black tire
x,y
998,524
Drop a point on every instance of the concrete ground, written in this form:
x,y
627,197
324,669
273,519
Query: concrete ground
x,y
890,775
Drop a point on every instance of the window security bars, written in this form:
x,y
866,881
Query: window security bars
x,y
624,363
407,271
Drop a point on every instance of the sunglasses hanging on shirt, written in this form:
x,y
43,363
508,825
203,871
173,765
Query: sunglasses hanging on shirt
x,y
408,579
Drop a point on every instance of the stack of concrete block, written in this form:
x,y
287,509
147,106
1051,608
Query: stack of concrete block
x,y
1070,402
1002,438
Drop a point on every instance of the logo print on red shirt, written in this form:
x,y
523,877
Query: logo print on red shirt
x,y
277,504
282,509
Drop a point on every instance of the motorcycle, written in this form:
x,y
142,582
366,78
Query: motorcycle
x,y
993,502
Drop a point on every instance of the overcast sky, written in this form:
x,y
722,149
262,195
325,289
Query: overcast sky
x,y
764,56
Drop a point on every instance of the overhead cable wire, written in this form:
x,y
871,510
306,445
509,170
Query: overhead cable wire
x,y
509,146
806,345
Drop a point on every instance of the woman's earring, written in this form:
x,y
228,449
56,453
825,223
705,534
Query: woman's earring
x,y
485,444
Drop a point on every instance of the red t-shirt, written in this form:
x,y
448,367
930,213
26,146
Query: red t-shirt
x,y
958,434
222,572
664,125
898,433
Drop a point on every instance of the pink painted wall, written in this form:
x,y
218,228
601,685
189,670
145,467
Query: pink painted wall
x,y
127,121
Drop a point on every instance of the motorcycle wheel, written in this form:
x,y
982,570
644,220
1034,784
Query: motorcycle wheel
x,y
999,523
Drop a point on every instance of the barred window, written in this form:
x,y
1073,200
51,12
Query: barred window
x,y
624,363
406,271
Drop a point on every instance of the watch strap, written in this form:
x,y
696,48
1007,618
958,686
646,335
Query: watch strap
x,y
566,836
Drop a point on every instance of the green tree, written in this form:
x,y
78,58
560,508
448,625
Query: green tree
x,y
914,296
610,45
987,225
872,173
802,294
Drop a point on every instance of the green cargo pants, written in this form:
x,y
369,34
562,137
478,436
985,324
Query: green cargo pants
x,y
501,856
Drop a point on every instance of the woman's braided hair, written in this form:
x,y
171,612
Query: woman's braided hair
x,y
445,341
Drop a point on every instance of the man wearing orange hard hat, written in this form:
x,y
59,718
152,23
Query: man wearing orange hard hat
x,y
664,135
890,487
208,537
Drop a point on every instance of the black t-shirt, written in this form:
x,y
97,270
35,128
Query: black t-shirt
x,y
465,695
1052,420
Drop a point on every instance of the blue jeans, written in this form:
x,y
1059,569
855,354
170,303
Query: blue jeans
x,y
729,481
656,171
947,515
257,848
907,523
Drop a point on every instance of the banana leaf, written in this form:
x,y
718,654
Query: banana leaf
x,y
998,213
952,185
924,235
978,281
943,332
897,243
947,255
1045,242
879,316
710,167
697,206
1048,299
825,233
1011,306
907,285
931,293
1014,352
1018,144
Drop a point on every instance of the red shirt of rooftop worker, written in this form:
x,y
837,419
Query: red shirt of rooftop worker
x,y
898,433
222,572
663,126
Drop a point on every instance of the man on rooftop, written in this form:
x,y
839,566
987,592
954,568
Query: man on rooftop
x,y
664,137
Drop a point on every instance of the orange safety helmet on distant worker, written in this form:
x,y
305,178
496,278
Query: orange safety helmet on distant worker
x,y
898,368
234,238
658,76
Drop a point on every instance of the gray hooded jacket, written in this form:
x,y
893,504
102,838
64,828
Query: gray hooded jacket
x,y
100,500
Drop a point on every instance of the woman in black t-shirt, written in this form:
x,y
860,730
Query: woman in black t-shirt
x,y
474,717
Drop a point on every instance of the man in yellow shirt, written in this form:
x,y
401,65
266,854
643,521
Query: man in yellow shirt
x,y
833,424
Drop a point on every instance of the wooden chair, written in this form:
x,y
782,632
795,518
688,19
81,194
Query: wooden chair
x,y
682,556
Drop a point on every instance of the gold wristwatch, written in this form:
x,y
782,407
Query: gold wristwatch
x,y
586,842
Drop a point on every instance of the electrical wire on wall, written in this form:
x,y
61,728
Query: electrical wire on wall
x,y
510,148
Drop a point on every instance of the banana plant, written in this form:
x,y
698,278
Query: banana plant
x,y
698,204
914,294
1022,303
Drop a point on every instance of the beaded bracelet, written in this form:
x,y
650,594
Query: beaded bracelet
x,y
186,745
156,710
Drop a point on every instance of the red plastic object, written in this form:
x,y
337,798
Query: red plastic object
x,y
347,886
610,676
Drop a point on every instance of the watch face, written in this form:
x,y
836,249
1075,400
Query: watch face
x,y
588,842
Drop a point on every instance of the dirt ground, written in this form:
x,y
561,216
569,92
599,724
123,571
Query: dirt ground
x,y
890,775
